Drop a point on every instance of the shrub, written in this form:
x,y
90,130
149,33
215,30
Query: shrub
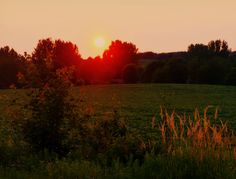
x,y
46,128
96,136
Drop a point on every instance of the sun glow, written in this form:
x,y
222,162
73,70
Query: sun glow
x,y
99,42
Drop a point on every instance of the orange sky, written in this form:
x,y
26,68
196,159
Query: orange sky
x,y
153,25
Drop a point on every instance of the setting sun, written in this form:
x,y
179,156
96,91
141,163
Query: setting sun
x,y
99,42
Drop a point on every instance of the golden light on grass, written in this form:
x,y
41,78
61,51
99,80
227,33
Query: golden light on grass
x,y
197,134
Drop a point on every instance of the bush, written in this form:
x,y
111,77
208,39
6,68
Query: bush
x,y
96,136
46,128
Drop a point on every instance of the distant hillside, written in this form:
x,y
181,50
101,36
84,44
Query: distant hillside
x,y
147,57
233,54
152,56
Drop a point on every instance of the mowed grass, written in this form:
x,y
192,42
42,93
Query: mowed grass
x,y
140,102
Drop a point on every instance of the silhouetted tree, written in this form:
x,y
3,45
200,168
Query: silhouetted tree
x,y
61,53
198,50
11,63
42,61
213,63
214,48
43,51
65,54
95,71
219,48
51,55
209,63
120,54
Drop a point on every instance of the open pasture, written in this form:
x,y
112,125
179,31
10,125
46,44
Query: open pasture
x,y
140,102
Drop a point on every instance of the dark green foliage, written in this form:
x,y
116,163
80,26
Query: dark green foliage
x,y
60,53
166,71
107,146
11,63
107,139
128,148
173,71
45,129
231,77
193,70
154,166
208,71
119,54
219,48
95,137
49,56
198,50
130,73
150,70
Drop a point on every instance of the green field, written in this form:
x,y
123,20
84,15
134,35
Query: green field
x,y
140,102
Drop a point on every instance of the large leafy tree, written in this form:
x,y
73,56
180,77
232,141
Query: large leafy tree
x,y
61,53
43,51
49,55
41,65
119,54
65,54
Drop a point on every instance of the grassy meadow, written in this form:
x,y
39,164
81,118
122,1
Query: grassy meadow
x,y
140,102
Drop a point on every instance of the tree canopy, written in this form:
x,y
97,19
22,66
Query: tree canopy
x,y
211,63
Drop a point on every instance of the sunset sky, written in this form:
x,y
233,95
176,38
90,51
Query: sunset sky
x,y
152,25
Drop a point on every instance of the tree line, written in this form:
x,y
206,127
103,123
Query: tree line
x,y
213,63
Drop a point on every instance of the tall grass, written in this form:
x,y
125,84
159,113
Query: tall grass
x,y
199,136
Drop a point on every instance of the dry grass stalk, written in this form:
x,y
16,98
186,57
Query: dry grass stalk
x,y
198,134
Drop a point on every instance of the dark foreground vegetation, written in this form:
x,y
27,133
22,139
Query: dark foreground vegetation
x,y
120,63
53,134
